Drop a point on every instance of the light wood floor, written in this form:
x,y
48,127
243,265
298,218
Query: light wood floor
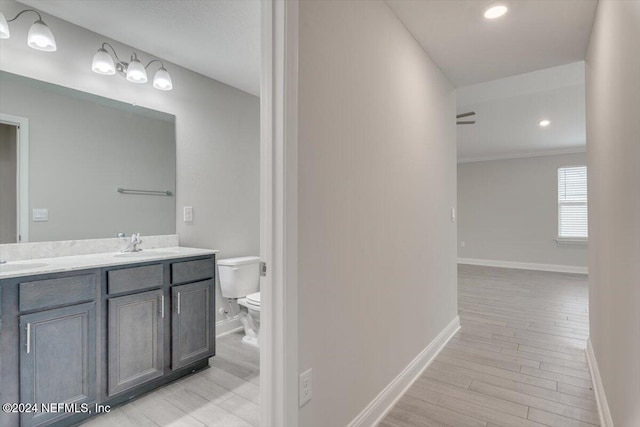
x,y
519,359
225,395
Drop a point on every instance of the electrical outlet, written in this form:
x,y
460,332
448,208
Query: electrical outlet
x,y
304,388
463,244
188,214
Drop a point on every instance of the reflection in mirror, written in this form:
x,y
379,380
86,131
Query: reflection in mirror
x,y
8,182
81,149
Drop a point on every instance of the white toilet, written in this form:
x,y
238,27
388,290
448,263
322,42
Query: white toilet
x,y
240,280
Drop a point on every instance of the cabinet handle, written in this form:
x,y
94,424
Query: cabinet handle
x,y
162,306
28,338
178,302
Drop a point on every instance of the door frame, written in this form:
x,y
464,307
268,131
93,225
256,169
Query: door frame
x,y
22,178
278,214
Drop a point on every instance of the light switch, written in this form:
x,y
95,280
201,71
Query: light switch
x,y
453,214
188,214
40,215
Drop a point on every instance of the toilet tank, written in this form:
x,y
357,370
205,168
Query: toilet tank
x,y
239,277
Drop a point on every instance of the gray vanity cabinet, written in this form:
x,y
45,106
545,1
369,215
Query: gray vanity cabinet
x,y
135,340
57,359
102,335
192,334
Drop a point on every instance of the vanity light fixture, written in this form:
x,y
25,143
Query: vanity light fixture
x,y
134,71
495,11
39,37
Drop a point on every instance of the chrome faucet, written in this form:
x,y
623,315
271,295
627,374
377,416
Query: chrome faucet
x,y
134,243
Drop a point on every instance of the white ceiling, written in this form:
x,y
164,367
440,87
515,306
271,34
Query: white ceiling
x,y
533,35
508,112
217,38
512,71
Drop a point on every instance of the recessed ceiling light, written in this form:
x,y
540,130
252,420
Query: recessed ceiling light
x,y
495,11
544,123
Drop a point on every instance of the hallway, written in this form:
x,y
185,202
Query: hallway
x,y
519,359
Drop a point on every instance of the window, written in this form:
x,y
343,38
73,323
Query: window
x,y
572,203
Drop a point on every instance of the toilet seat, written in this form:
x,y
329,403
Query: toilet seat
x,y
253,301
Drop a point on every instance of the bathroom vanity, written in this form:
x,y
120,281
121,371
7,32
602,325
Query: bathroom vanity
x,y
101,329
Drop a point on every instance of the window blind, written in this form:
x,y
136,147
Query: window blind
x,y
572,202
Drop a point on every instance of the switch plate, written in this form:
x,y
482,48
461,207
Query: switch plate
x,y
188,214
40,215
453,214
304,388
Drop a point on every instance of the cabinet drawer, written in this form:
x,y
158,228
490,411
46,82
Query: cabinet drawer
x,y
134,279
190,271
53,292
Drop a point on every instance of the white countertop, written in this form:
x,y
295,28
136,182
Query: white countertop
x,y
81,262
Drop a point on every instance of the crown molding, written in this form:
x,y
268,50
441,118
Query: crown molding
x,y
508,156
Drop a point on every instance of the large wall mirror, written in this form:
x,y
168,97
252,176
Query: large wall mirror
x,y
78,166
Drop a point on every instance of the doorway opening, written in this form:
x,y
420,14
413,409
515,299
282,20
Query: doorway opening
x,y
14,178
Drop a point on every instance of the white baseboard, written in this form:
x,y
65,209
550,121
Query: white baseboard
x,y
525,265
601,399
376,410
228,326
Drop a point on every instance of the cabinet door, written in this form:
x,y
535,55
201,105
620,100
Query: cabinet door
x,y
192,328
135,342
57,360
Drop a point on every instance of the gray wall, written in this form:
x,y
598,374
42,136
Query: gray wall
x,y
81,149
217,131
8,196
508,211
376,182
613,151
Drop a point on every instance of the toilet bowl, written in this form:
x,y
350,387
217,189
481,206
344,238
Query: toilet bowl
x,y
240,281
252,303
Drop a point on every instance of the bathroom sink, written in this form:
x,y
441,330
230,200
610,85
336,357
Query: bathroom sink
x,y
8,268
143,254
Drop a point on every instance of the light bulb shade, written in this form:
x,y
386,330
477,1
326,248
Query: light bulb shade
x,y
4,27
40,37
136,72
162,80
103,63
